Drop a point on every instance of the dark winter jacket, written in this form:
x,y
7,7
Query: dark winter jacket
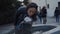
x,y
20,14
56,12
44,13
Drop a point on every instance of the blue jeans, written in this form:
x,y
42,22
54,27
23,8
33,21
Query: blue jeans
x,y
40,18
57,18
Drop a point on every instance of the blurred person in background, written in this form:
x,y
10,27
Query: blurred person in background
x,y
57,14
40,15
44,14
21,11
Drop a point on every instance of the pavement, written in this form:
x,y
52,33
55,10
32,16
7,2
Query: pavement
x,y
9,28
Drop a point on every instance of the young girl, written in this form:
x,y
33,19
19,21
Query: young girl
x,y
30,18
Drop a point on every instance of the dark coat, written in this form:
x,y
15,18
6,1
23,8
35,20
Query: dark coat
x,y
20,14
44,13
57,12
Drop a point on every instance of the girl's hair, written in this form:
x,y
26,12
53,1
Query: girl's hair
x,y
32,5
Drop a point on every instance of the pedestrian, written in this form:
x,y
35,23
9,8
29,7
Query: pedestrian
x,y
21,11
57,14
44,15
40,15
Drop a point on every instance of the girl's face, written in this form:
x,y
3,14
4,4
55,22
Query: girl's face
x,y
31,11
